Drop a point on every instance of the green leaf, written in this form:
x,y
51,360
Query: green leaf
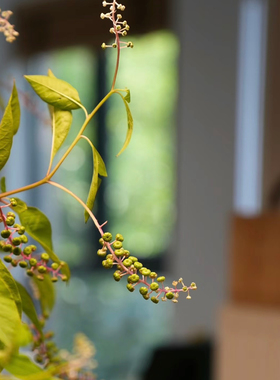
x,y
129,124
3,185
94,184
101,165
22,367
51,74
127,96
61,122
15,109
56,92
9,322
10,283
28,306
46,292
6,135
24,336
20,207
38,226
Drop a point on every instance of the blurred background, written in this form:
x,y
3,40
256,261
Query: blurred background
x,y
195,195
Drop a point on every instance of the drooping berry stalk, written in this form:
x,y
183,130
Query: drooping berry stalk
x,y
129,265
26,257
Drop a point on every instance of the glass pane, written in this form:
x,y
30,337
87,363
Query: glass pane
x,y
77,66
123,326
140,192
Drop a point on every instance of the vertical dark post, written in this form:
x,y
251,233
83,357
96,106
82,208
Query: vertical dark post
x,y
101,138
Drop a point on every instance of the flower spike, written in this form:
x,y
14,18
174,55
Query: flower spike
x,y
6,28
120,28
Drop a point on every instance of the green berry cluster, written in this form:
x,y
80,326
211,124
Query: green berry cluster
x,y
17,254
152,285
44,348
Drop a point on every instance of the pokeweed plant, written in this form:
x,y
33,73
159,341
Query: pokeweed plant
x,y
20,221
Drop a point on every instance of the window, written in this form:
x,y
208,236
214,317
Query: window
x,y
137,198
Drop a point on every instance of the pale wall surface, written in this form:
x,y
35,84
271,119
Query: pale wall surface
x,y
208,32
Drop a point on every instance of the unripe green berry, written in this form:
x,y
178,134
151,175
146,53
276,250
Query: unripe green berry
x,y
27,250
54,279
22,264
126,253
161,279
138,265
10,221
193,286
50,345
107,264
24,239
134,278
7,248
146,272
42,269
54,266
109,256
6,233
40,277
185,288
30,272
143,290
169,295
101,241
64,277
46,315
107,237
154,300
119,237
117,276
153,275
154,286
39,359
130,287
45,257
11,214
127,263
16,251
101,253
17,226
49,335
117,244
33,248
16,241
119,252
2,244
133,259
146,296
8,259
33,262
21,230
13,202
14,263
